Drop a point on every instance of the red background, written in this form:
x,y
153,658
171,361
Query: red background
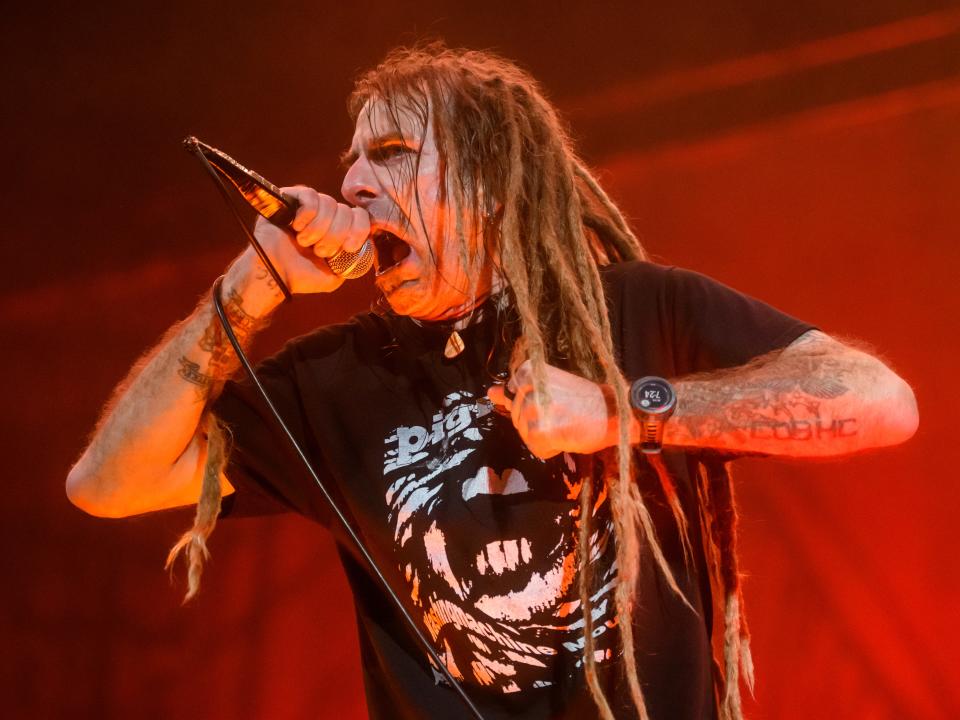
x,y
804,153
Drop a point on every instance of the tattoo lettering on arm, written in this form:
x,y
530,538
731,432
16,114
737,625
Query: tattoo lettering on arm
x,y
800,395
221,361
264,275
815,429
190,371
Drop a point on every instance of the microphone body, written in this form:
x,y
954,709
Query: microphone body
x,y
276,206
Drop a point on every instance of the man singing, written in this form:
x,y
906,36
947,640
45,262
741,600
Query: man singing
x,y
483,426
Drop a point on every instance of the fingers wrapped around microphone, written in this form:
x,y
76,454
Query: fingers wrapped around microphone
x,y
328,226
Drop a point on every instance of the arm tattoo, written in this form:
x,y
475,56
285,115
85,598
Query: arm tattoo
x,y
222,360
263,274
779,397
190,371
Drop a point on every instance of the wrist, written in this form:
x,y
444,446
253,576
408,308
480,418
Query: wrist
x,y
653,401
613,420
248,280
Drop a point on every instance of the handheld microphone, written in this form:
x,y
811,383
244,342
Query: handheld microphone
x,y
276,206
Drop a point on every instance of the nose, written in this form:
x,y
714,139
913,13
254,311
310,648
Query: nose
x,y
359,184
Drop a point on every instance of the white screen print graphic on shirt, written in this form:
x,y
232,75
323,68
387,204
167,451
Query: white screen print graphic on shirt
x,y
485,534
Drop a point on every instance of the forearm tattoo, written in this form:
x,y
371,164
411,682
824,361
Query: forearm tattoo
x,y
264,274
783,401
222,361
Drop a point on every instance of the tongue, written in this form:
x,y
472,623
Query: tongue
x,y
390,251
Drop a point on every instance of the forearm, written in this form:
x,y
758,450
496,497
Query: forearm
x,y
816,398
145,453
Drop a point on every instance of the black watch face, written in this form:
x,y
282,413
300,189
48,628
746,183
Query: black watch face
x,y
651,395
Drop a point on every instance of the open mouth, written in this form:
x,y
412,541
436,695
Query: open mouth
x,y
390,250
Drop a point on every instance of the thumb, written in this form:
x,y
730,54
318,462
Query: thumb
x,y
497,396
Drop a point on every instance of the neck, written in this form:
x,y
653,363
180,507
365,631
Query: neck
x,y
456,318
460,316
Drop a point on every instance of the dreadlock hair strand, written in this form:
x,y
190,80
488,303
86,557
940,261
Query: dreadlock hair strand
x,y
501,140
193,543
510,174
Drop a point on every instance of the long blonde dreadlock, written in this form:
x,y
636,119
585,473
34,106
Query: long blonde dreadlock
x,y
500,140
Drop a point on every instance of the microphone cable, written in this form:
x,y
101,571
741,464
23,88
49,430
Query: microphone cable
x,y
338,513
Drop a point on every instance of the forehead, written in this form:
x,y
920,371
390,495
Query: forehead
x,y
378,119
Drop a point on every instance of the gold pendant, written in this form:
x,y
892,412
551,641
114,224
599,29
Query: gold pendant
x,y
454,347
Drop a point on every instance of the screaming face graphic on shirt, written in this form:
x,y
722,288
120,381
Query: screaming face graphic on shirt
x,y
486,537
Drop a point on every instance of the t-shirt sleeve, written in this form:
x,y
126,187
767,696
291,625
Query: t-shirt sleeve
x,y
714,326
673,322
265,471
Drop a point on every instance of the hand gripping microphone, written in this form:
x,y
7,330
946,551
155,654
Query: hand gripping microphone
x,y
280,209
276,206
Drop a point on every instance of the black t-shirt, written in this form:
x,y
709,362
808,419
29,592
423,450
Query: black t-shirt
x,y
477,535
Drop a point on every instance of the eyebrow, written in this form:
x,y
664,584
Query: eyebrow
x,y
349,156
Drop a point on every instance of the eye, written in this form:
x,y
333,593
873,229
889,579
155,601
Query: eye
x,y
388,151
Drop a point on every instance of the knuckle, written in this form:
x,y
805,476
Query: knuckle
x,y
361,218
323,210
326,249
339,221
307,205
300,192
524,372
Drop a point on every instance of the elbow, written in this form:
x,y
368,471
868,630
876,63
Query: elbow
x,y
909,411
902,415
83,492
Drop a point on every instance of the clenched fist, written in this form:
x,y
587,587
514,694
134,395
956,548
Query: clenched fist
x,y
577,419
322,226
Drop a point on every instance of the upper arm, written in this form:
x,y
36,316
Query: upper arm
x,y
141,491
716,327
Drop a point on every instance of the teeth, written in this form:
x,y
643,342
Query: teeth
x,y
525,553
511,552
498,557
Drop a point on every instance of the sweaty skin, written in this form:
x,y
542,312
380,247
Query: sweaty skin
x,y
146,453
393,174
817,397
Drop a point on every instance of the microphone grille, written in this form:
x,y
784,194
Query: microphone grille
x,y
351,265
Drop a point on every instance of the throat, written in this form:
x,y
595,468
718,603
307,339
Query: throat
x,y
390,250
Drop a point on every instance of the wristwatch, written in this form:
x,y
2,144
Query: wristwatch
x,y
653,401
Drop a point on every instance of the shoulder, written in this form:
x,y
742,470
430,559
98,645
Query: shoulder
x,y
641,276
671,287
641,285
634,282
633,271
637,274
361,335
